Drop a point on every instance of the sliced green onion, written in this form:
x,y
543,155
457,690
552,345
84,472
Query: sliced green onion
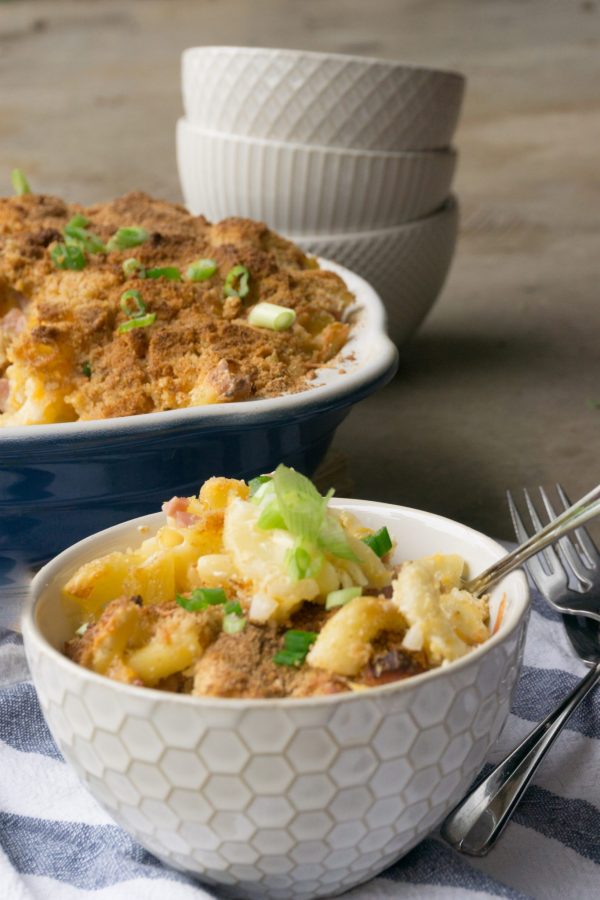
x,y
131,266
75,234
299,563
333,539
132,304
380,542
202,598
301,506
233,606
257,482
296,645
269,315
340,598
127,237
171,273
19,182
87,370
68,256
140,322
236,282
201,270
233,624
271,517
82,629
78,221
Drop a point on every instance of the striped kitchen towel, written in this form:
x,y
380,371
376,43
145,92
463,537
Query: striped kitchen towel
x,y
56,843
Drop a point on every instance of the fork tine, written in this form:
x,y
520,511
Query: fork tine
x,y
566,550
548,555
585,542
533,565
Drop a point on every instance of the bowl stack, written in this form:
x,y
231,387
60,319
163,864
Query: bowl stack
x,y
347,156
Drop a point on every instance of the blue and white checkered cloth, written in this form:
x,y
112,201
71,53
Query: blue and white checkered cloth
x,y
57,843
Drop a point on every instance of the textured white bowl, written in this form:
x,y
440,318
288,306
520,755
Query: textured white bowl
x,y
407,265
283,799
302,189
320,98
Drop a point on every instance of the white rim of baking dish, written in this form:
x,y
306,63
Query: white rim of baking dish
x,y
512,619
318,54
366,358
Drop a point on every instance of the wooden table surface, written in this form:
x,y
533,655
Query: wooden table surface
x,y
502,385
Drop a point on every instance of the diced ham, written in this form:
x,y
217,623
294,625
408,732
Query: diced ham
x,y
176,509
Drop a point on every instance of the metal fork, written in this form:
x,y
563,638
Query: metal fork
x,y
475,825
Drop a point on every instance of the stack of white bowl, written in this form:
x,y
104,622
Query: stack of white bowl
x,y
349,157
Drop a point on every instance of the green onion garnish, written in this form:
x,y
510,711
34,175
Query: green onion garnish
x,y
271,517
75,234
233,620
132,304
19,182
236,282
269,315
68,256
257,482
201,270
333,539
299,563
340,598
78,221
202,598
171,273
131,266
127,237
301,506
140,322
380,542
87,370
82,629
296,645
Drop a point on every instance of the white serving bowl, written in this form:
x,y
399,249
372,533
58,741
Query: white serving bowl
x,y
406,265
304,189
320,98
281,799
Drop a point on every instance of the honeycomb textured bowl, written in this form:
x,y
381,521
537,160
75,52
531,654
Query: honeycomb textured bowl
x,y
406,265
287,800
320,98
301,189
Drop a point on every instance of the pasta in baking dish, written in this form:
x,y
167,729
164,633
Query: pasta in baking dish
x,y
265,590
136,306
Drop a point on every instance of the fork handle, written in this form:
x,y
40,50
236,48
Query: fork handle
x,y
573,517
474,826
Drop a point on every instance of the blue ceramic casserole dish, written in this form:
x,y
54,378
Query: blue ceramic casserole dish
x,y
60,483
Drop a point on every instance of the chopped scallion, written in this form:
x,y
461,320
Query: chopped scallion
x,y
140,322
131,266
87,370
271,517
19,182
82,629
269,315
202,598
201,270
296,645
132,304
68,256
380,542
257,482
127,237
236,282
171,273
333,539
233,606
75,234
341,597
299,563
78,221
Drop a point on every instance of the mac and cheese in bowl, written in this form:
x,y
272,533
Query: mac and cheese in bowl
x,y
264,590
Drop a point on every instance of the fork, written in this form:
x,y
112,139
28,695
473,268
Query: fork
x,y
474,826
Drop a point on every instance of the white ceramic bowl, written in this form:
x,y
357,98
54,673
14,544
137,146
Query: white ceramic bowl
x,y
320,98
283,799
304,189
406,265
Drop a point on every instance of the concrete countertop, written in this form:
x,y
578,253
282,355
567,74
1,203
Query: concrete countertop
x,y
502,386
